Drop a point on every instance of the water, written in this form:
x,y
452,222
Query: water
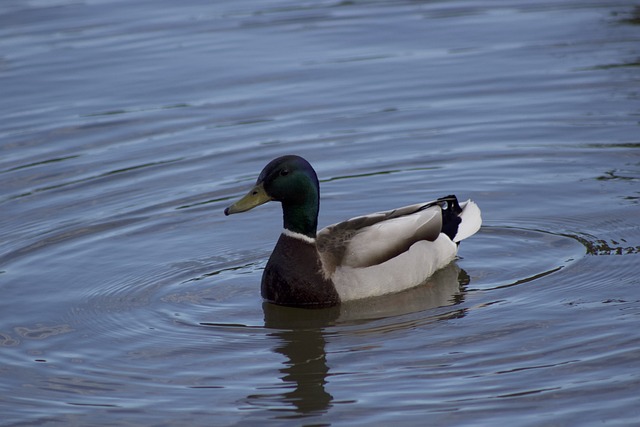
x,y
128,298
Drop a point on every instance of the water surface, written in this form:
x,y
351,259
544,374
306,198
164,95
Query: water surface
x,y
128,298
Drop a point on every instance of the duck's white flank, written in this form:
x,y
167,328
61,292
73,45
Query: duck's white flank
x,y
399,273
410,268
299,236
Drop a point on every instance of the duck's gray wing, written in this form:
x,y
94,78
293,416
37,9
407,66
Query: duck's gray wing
x,y
373,239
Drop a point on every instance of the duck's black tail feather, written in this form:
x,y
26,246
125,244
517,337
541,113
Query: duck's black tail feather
x,y
450,215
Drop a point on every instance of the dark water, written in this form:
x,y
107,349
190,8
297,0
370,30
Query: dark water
x,y
127,298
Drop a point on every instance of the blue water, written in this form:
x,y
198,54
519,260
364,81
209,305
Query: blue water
x,y
127,297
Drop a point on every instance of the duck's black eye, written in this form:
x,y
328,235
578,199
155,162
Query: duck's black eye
x,y
284,172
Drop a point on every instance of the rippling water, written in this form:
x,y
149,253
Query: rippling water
x,y
128,298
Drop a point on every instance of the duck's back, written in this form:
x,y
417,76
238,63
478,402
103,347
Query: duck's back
x,y
395,250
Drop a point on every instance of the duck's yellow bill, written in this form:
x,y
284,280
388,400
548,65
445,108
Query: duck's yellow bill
x,y
255,197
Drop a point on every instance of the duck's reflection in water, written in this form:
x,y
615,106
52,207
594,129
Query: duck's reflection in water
x,y
303,333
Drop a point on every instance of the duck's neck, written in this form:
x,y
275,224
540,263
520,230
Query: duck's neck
x,y
302,217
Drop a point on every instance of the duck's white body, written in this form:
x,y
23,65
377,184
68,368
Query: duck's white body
x,y
356,279
399,273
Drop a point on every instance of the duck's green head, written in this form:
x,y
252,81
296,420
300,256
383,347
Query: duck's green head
x,y
292,181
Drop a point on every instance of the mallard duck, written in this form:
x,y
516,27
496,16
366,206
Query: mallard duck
x,y
362,257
